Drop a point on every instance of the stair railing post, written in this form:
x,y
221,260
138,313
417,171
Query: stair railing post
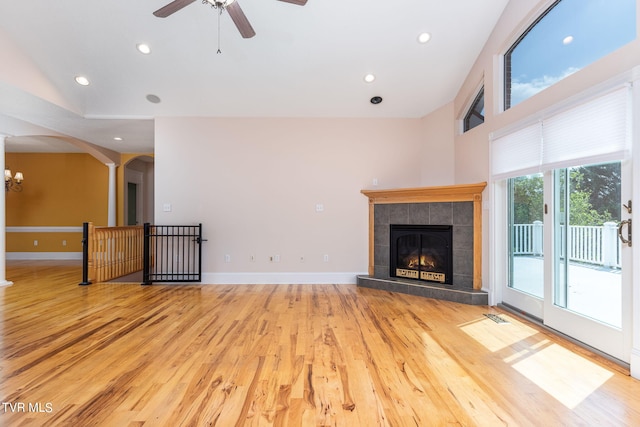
x,y
85,255
146,254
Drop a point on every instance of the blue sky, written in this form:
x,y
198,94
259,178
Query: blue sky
x,y
597,27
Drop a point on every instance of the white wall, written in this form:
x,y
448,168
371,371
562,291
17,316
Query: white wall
x,y
255,184
438,129
24,75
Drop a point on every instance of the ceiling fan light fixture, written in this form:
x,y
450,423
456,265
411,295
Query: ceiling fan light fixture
x,y
219,3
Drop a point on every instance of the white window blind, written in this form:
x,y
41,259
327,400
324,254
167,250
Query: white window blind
x,y
517,153
594,131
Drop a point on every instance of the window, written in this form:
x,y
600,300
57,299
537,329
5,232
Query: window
x,y
570,35
475,115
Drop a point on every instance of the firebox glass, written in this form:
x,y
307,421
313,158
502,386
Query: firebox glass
x,y
422,252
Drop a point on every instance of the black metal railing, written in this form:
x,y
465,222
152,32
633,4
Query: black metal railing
x,y
85,255
172,253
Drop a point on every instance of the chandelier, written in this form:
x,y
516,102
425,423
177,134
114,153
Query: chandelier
x,y
13,183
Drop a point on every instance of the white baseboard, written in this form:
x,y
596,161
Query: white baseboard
x,y
44,255
634,363
279,278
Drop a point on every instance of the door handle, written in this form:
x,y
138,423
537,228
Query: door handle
x,y
622,239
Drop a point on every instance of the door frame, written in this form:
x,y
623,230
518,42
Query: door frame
x,y
134,177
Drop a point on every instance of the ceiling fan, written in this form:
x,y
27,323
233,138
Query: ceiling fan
x,y
231,6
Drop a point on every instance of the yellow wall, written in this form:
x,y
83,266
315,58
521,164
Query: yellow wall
x,y
47,242
60,190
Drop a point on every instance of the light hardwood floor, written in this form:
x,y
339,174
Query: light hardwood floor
x,y
286,355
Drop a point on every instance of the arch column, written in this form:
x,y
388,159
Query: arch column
x,y
3,223
111,217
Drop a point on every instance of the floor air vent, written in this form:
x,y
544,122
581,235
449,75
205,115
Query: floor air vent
x,y
496,318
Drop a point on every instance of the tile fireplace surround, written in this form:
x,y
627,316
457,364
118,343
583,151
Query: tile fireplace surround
x,y
456,205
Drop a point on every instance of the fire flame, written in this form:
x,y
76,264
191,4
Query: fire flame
x,y
425,261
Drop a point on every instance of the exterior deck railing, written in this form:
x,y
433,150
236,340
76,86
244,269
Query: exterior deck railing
x,y
598,245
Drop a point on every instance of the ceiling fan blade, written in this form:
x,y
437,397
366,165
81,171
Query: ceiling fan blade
x,y
241,21
298,2
172,8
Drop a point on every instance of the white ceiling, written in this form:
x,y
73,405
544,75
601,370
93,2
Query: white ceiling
x,y
303,62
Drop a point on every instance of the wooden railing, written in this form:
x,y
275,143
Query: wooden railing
x,y
112,252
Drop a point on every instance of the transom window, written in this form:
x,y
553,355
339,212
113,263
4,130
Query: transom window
x,y
475,115
570,35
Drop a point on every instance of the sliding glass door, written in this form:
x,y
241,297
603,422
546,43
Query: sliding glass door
x,y
566,262
590,294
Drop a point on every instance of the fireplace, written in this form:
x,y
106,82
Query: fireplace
x,y
421,252
456,207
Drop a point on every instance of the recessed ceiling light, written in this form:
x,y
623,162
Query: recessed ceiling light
x,y
424,37
143,48
154,99
567,40
82,80
117,138
369,78
376,100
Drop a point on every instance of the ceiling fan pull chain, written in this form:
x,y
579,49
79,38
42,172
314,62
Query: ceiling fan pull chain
x,y
219,13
